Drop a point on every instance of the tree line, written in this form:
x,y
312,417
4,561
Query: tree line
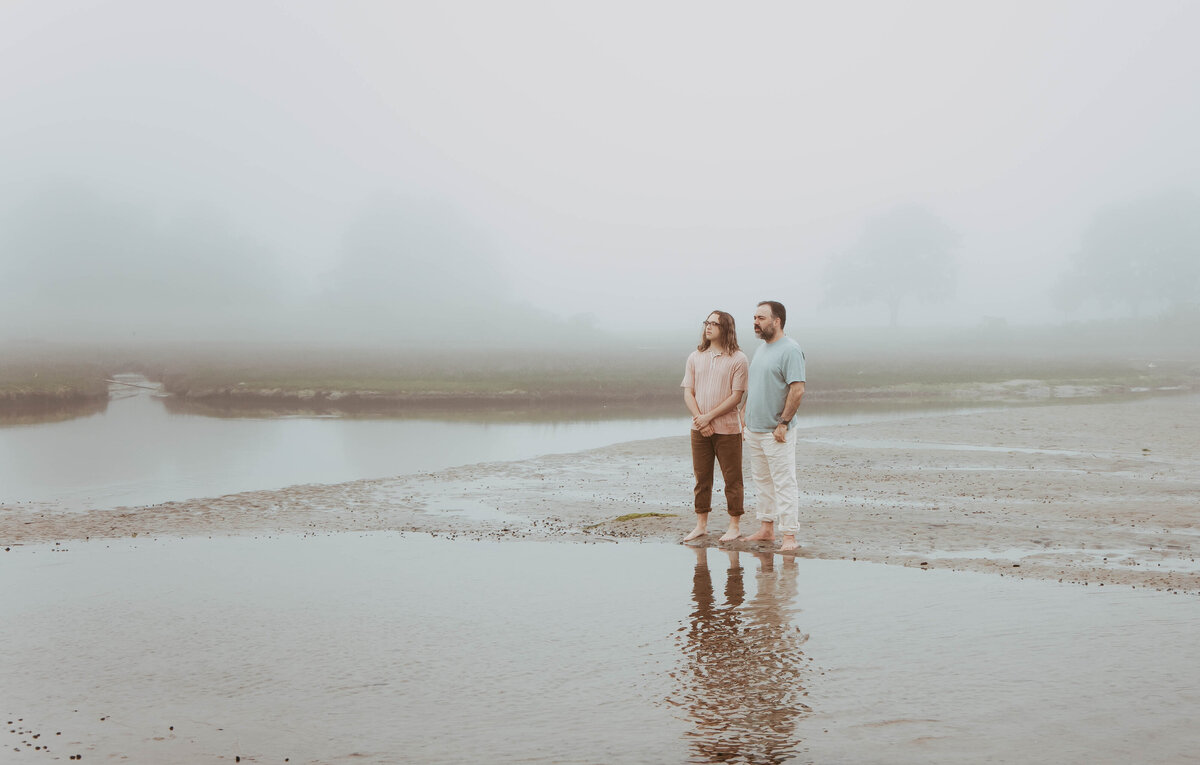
x,y
1142,255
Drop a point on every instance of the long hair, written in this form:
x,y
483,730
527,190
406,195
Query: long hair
x,y
728,333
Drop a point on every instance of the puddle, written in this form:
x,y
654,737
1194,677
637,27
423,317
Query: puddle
x,y
388,647
1013,554
1183,562
866,443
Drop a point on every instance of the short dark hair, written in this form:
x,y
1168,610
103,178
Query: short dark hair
x,y
777,310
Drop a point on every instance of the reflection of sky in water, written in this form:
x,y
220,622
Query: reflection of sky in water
x,y
135,453
416,649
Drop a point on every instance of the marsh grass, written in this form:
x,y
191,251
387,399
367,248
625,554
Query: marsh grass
x,y
518,381
51,378
480,372
454,408
851,367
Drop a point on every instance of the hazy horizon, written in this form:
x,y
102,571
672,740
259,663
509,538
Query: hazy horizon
x,y
380,171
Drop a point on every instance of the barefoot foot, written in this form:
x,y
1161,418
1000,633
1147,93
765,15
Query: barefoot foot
x,y
697,532
789,543
765,533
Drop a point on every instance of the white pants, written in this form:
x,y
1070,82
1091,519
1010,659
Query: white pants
x,y
773,468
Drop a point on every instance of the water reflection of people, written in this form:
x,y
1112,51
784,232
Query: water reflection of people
x,y
740,677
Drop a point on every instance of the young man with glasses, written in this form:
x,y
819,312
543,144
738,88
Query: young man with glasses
x,y
714,381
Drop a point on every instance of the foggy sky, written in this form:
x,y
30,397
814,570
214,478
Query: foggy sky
x,y
208,165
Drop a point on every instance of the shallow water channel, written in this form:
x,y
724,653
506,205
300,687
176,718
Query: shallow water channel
x,y
401,648
136,452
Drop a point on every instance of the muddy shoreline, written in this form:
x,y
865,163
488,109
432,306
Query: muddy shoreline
x,y
32,410
1100,494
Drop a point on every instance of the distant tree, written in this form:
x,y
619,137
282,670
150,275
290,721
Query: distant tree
x,y
1140,254
409,262
904,253
76,262
420,271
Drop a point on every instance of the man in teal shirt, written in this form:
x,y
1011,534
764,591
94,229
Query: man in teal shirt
x,y
776,385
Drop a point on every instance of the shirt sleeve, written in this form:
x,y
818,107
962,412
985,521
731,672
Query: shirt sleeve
x,y
741,369
793,365
689,372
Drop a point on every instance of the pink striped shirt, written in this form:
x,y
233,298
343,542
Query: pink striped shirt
x,y
713,377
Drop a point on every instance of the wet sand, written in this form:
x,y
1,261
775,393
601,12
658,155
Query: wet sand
x,y
1096,494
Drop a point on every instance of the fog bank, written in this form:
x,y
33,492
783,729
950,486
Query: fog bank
x,y
551,174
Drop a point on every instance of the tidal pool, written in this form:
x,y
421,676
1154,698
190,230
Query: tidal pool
x,y
137,452
386,647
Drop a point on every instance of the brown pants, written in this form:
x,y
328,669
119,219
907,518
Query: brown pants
x,y
727,449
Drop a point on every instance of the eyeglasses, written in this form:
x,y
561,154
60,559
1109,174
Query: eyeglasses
x,y
711,324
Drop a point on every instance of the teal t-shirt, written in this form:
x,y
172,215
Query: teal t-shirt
x,y
775,366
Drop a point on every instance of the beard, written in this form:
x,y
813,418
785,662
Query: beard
x,y
766,333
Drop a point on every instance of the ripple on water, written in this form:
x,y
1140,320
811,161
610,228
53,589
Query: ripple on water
x,y
741,672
